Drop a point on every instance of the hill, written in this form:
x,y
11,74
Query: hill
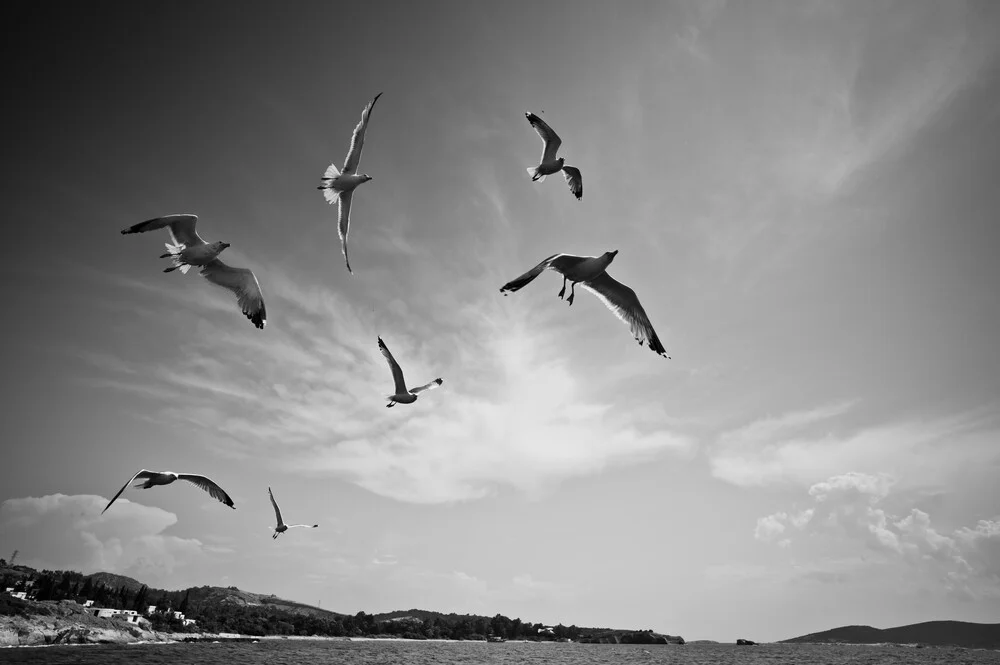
x,y
113,581
232,610
207,596
937,633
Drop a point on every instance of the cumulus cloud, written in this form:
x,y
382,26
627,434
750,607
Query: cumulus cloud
x,y
851,507
68,532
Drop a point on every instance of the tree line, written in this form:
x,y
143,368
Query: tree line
x,y
224,617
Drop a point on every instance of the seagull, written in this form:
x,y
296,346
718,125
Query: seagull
x,y
549,163
591,272
190,250
167,477
339,185
403,396
282,527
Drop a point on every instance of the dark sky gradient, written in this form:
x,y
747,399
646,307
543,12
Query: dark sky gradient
x,y
803,196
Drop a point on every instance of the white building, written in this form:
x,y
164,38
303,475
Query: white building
x,y
189,622
88,603
19,594
179,615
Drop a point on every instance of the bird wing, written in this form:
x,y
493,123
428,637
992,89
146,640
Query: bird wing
x,y
397,372
277,513
209,486
142,474
559,262
358,140
433,384
308,526
575,181
344,223
243,283
181,228
622,300
552,140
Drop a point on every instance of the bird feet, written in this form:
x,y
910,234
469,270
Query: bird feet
x,y
390,405
570,299
562,292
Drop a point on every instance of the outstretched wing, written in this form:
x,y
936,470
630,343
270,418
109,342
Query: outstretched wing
x,y
277,513
556,261
181,228
433,384
243,283
209,486
308,526
552,140
142,474
344,223
622,300
397,372
358,140
574,180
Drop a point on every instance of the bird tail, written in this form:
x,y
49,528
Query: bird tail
x,y
174,253
533,172
172,250
331,172
331,195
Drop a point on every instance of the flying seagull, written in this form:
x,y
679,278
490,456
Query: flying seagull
x,y
167,477
549,163
403,396
190,250
282,527
339,185
590,271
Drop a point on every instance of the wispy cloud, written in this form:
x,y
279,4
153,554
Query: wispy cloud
x,y
312,385
806,446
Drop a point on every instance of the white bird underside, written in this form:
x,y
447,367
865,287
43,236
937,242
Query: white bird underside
x,y
339,184
402,394
240,281
592,274
154,478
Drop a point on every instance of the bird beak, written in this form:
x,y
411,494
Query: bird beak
x,y
225,245
614,253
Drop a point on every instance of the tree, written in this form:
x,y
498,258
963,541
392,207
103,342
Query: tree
x,y
139,604
184,603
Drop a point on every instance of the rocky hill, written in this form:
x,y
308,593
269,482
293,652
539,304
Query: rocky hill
x,y
66,622
937,633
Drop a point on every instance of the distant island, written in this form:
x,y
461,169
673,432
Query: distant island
x,y
67,607
929,633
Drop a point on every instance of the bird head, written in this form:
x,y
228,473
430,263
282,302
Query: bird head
x,y
367,177
219,245
611,255
562,160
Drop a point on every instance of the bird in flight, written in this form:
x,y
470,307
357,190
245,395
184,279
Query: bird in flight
x,y
282,527
591,272
339,185
402,396
188,249
153,478
549,163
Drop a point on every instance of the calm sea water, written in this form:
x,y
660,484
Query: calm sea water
x,y
279,652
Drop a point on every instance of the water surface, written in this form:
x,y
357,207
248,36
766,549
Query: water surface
x,y
309,652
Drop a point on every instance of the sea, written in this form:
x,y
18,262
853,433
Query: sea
x,y
309,652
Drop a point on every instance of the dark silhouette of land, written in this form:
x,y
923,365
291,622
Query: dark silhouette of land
x,y
932,633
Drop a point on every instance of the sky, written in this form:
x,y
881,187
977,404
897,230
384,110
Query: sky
x,y
803,195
